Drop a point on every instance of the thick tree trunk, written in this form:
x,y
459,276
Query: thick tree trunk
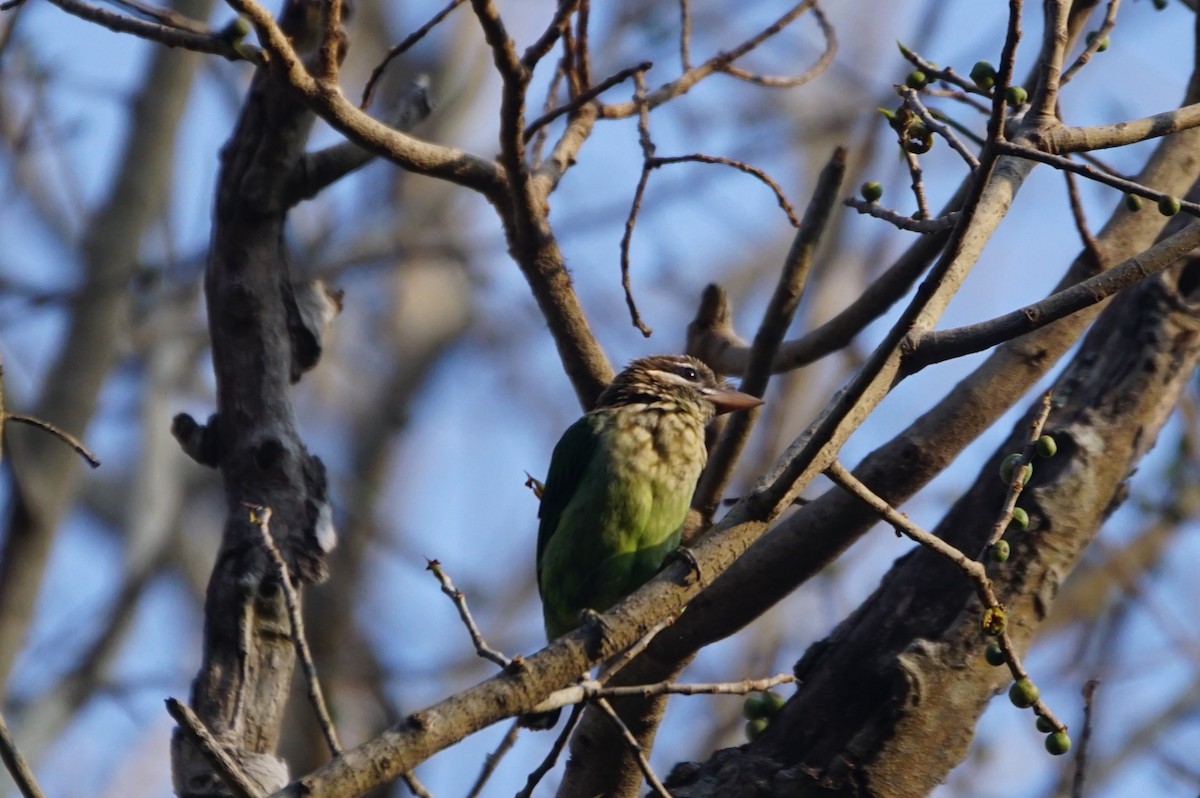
x,y
245,678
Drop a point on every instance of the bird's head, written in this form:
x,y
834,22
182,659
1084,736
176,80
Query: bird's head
x,y
676,381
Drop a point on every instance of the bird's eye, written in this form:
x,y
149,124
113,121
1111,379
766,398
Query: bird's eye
x,y
689,374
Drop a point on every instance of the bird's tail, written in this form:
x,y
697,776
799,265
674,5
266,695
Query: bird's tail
x,y
540,721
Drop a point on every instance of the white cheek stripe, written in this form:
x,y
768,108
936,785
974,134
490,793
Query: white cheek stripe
x,y
668,376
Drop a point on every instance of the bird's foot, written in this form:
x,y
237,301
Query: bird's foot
x,y
684,553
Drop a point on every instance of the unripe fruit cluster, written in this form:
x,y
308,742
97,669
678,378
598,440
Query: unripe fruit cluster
x,y
758,709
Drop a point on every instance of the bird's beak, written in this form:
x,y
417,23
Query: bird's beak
x,y
727,400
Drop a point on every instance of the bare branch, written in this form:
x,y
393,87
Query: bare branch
x,y
718,63
409,153
168,34
558,27
401,48
1096,40
1081,223
638,752
685,34
1099,175
934,347
994,617
460,603
318,170
62,435
1085,737
330,51
18,768
1044,101
777,317
551,758
261,517
938,224
791,81
584,98
493,759
754,171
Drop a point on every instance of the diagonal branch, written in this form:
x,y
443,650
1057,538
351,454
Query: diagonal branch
x,y
935,347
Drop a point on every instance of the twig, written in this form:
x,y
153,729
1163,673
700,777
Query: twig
x,y
460,602
1008,57
560,75
584,98
639,753
935,73
1085,738
170,35
592,689
229,771
1093,46
791,81
583,51
415,786
924,225
1081,223
65,437
913,101
685,34
401,48
935,347
16,764
718,63
559,25
647,145
166,16
994,613
754,171
618,662
551,758
918,182
777,317
328,56
261,517
490,761
1062,162
1017,483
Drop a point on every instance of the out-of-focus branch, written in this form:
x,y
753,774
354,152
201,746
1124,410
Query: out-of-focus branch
x,y
62,435
185,36
409,153
320,169
18,768
45,478
401,48
718,63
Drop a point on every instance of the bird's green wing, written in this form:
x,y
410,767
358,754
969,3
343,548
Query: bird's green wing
x,y
568,464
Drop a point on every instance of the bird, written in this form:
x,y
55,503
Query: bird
x,y
619,486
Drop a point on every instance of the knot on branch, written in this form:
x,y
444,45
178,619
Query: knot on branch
x,y
710,335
